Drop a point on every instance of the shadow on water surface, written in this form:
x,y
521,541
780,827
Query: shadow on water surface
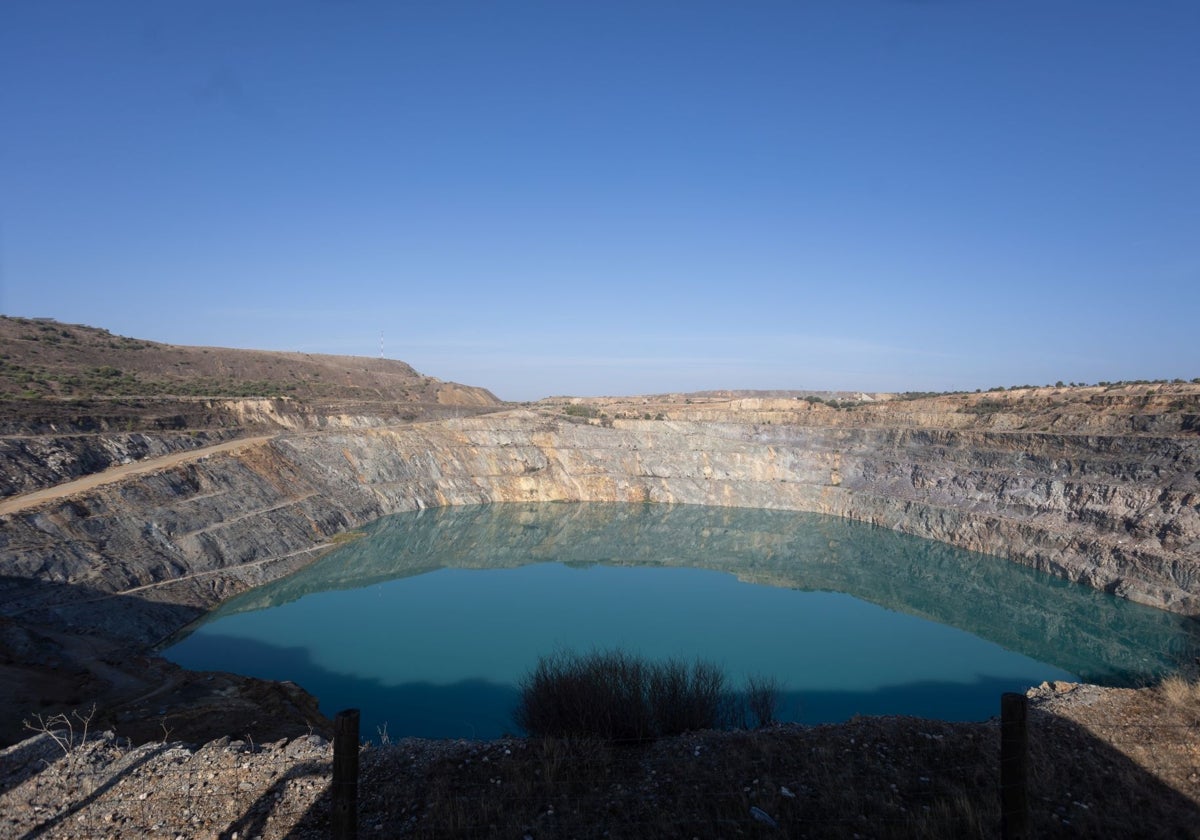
x,y
1095,635
482,709
465,709
934,699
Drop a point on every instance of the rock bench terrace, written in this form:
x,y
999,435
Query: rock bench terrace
x,y
118,529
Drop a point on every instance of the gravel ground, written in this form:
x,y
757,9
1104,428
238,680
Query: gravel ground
x,y
1103,762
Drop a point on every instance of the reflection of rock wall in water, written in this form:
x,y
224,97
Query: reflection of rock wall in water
x,y
1080,630
1117,513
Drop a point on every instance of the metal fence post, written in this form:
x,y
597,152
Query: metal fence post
x,y
1014,766
345,775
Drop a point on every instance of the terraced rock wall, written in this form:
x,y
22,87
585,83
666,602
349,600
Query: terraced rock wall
x,y
1120,513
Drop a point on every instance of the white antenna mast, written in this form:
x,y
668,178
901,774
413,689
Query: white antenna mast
x,y
381,344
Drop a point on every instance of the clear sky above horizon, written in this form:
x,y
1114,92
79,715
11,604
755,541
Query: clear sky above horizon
x,y
617,197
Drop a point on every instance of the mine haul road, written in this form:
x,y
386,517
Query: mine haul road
x,y
17,504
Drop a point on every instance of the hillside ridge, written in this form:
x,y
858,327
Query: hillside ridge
x,y
43,358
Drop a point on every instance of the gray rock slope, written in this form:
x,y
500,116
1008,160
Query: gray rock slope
x,y
1118,513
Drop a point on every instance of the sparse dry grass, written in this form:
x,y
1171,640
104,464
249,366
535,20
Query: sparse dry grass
x,y
1182,694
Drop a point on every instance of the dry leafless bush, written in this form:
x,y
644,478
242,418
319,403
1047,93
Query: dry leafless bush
x,y
619,697
67,731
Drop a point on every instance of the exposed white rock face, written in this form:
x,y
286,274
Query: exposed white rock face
x,y
1120,513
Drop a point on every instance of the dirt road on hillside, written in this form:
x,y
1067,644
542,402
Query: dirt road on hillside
x,y
113,474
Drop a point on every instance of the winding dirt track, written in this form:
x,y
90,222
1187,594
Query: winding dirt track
x,y
113,474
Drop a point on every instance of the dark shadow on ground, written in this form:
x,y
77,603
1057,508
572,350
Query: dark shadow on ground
x,y
81,610
64,647
254,821
1123,799
77,806
892,778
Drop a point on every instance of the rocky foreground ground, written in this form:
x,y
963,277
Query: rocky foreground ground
x,y
1103,763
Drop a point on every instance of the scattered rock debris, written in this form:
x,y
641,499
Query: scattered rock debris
x,y
1104,762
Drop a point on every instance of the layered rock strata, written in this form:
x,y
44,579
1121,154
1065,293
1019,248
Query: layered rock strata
x,y
1119,513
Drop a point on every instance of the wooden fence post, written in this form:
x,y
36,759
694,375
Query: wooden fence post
x,y
345,775
1014,766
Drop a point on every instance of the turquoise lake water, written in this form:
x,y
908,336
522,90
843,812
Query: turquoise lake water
x,y
428,622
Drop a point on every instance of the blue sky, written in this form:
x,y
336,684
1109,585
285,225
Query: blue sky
x,y
617,197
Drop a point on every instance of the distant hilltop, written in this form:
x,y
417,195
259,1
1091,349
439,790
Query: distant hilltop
x,y
43,358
